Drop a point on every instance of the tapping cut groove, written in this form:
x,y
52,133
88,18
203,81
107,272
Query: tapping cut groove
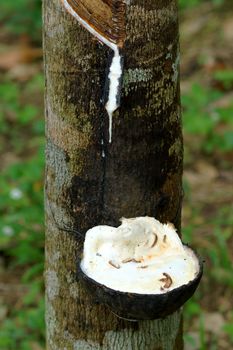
x,y
106,17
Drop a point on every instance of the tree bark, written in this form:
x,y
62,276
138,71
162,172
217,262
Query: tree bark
x,y
90,181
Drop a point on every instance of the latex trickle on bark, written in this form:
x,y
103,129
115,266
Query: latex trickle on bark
x,y
107,24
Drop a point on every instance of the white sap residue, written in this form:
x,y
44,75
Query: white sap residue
x,y
115,68
114,76
141,256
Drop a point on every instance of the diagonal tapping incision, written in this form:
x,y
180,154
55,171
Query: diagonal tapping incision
x,y
105,19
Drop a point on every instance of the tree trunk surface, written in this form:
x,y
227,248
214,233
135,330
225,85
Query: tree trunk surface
x,y
90,181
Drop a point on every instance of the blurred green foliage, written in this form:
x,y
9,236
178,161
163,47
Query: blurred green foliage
x,y
24,327
228,328
221,272
201,116
21,209
17,118
211,125
22,16
186,4
225,76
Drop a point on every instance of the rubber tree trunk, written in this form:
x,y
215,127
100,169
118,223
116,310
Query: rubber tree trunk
x,y
91,182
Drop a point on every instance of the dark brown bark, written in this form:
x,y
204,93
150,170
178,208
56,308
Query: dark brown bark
x,y
139,175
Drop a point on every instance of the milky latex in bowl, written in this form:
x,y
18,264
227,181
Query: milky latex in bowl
x,y
140,256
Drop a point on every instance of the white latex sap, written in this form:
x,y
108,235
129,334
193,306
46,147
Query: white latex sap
x,y
114,76
115,70
141,256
